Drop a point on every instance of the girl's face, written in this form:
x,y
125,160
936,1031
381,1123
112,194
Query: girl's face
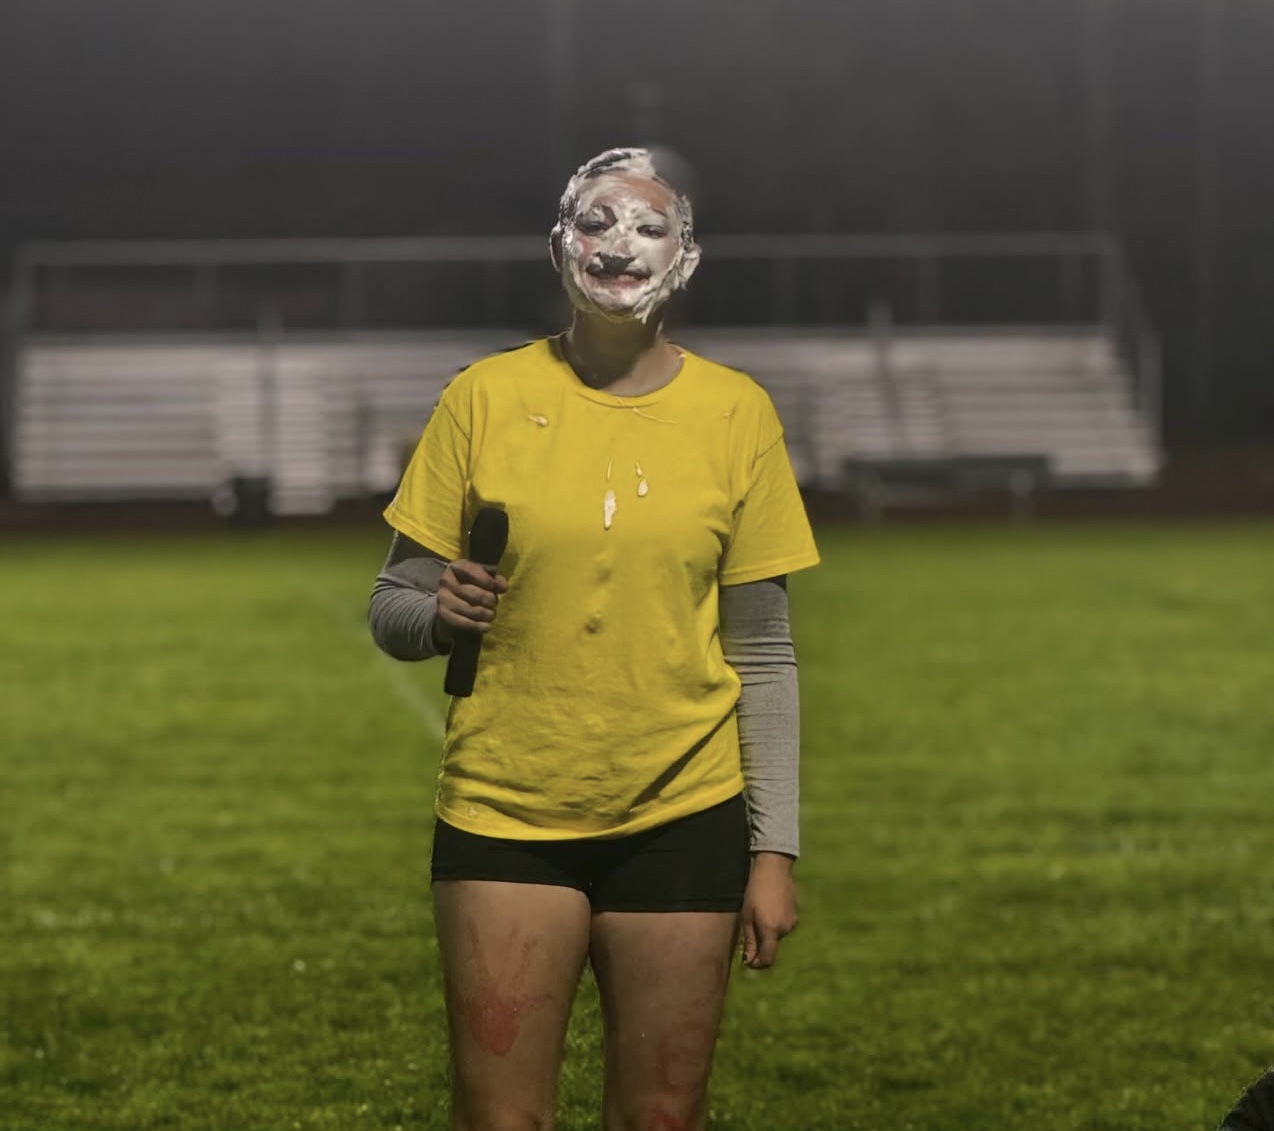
x,y
622,253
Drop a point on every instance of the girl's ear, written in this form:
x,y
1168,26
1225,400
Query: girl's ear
x,y
690,261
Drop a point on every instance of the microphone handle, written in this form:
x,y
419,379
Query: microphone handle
x,y
462,664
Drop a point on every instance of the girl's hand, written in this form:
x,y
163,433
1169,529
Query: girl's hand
x,y
769,909
468,596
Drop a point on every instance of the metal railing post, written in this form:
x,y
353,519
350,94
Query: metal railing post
x,y
1152,409
495,288
1113,289
269,332
1069,271
16,323
351,296
928,288
205,296
783,294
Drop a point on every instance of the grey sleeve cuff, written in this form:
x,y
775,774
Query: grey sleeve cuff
x,y
756,637
404,601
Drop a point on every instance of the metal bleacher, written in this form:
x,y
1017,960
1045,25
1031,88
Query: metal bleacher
x,y
329,415
941,395
178,420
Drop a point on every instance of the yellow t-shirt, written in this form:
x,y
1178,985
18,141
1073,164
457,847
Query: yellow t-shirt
x,y
603,704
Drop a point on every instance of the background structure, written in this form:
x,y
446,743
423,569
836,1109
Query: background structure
x,y
1147,118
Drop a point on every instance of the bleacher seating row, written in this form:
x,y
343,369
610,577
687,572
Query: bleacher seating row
x,y
331,419
950,394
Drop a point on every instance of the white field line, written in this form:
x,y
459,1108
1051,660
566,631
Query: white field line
x,y
407,693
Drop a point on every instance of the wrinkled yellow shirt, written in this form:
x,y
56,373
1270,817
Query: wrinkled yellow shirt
x,y
603,705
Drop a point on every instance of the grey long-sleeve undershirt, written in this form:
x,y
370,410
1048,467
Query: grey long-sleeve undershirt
x,y
756,639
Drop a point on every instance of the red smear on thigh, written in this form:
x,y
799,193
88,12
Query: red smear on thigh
x,y
493,1012
493,1018
661,1119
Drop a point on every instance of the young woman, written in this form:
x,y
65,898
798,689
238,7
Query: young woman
x,y
621,788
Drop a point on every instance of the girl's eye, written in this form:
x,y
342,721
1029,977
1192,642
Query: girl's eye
x,y
651,231
591,227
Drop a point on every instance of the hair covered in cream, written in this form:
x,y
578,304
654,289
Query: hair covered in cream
x,y
659,267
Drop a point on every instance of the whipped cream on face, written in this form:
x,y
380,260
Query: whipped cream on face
x,y
626,237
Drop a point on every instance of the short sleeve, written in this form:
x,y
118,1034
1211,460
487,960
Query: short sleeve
x,y
429,504
771,533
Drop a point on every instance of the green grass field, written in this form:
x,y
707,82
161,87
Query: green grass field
x,y
1037,888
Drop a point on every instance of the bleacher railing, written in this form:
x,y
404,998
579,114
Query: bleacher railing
x,y
352,286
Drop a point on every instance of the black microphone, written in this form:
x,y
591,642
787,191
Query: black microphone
x,y
487,540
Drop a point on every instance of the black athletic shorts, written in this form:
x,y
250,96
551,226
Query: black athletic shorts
x,y
696,863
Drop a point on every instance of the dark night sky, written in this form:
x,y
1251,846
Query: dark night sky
x,y
315,117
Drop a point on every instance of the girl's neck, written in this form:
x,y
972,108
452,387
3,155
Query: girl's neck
x,y
626,358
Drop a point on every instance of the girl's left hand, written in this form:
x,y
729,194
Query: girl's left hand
x,y
769,909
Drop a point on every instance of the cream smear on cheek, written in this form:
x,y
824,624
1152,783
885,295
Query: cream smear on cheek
x,y
638,298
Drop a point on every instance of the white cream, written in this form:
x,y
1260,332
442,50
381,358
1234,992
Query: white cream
x,y
662,264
